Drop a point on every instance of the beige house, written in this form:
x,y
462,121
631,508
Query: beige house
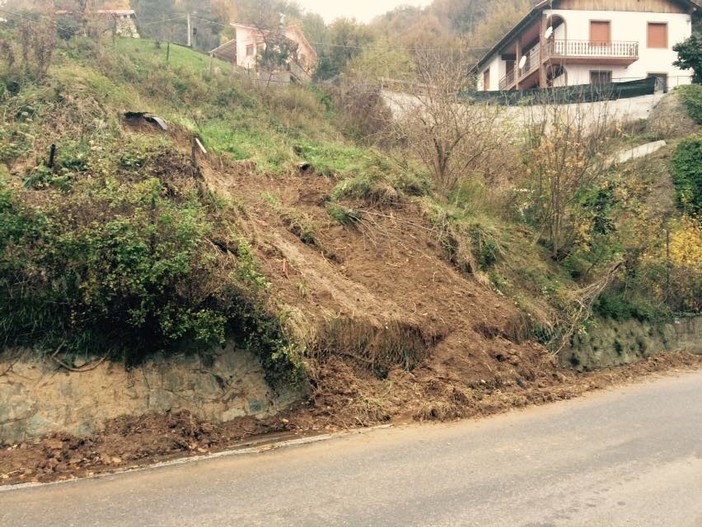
x,y
123,21
576,42
107,17
250,42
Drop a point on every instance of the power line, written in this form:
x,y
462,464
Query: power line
x,y
22,16
319,45
358,46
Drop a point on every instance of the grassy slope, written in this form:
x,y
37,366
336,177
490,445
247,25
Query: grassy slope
x,y
356,269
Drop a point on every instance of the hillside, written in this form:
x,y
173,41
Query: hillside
x,y
256,219
344,256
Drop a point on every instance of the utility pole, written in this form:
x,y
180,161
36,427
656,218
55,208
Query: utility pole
x,y
190,32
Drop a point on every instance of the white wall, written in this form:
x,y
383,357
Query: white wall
x,y
626,26
498,69
633,27
244,37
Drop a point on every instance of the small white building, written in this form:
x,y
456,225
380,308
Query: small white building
x,y
250,42
575,42
123,21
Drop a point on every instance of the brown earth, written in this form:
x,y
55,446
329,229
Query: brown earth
x,y
670,118
129,443
396,328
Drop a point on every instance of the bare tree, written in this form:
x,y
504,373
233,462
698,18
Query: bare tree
x,y
451,136
566,154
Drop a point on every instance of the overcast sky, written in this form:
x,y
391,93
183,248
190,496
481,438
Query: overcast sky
x,y
361,10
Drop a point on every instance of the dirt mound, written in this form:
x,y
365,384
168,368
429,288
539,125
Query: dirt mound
x,y
343,398
389,296
393,331
670,118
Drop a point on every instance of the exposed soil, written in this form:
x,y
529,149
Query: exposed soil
x,y
396,332
129,443
670,118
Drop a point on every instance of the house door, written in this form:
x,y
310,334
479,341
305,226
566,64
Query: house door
x,y
600,77
661,81
600,32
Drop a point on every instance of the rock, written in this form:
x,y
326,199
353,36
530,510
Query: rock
x,y
36,402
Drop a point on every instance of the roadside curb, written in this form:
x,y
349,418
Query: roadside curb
x,y
260,447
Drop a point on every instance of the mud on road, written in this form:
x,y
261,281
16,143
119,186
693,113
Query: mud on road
x,y
128,443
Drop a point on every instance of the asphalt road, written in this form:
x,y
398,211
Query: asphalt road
x,y
631,457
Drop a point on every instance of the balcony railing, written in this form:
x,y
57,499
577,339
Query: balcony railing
x,y
585,48
530,65
507,80
562,49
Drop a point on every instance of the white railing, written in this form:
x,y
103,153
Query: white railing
x,y
532,63
585,48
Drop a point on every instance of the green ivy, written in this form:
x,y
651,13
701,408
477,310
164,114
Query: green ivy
x,y
687,174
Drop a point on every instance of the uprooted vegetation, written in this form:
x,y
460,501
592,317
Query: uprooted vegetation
x,y
373,275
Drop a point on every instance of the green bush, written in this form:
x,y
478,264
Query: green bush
x,y
127,268
692,98
485,248
690,55
615,305
687,174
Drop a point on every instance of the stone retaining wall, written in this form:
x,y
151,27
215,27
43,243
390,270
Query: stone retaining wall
x,y
610,343
39,397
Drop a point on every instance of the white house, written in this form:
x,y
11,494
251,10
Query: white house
x,y
574,42
249,42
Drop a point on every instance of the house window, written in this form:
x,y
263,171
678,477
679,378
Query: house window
x,y
486,79
249,50
600,77
600,32
657,35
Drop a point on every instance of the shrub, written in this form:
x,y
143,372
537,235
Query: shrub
x,y
687,174
127,267
692,98
614,305
361,111
690,55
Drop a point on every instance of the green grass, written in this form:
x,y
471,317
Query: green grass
x,y
274,127
174,56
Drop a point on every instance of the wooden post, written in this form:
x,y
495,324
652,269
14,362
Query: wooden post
x,y
542,53
518,69
667,264
52,156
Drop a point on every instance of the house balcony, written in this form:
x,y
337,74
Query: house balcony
x,y
569,52
596,53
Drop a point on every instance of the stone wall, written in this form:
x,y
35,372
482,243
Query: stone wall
x,y
609,343
39,397
688,332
